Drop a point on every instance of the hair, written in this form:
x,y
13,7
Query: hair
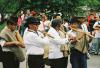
x,y
74,20
65,19
12,20
56,23
32,20
91,14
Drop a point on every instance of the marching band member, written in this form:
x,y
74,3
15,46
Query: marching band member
x,y
78,41
12,53
34,42
56,57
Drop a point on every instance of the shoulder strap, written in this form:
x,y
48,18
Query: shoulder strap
x,y
85,43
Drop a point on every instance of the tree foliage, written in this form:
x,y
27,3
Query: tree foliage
x,y
65,6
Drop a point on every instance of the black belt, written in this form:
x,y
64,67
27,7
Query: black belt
x,y
35,56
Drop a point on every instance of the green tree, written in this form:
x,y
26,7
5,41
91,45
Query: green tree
x,y
67,7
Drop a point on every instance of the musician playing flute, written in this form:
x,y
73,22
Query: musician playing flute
x,y
78,42
56,57
34,41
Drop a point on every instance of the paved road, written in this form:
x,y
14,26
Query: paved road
x,y
94,62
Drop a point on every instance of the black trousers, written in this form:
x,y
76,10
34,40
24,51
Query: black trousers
x,y
9,60
36,61
59,63
78,59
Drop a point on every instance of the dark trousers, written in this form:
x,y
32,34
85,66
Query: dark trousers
x,y
35,61
96,45
65,62
59,63
78,59
9,60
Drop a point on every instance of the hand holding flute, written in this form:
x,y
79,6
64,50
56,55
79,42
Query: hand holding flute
x,y
82,32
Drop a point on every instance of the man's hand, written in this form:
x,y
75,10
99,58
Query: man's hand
x,y
73,39
19,44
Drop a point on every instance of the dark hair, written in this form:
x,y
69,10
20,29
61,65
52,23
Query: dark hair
x,y
74,20
32,20
56,23
65,19
12,20
91,14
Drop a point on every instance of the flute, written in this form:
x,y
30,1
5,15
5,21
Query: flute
x,y
48,34
45,33
80,30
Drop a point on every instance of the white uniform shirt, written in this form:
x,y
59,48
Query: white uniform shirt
x,y
56,41
34,43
